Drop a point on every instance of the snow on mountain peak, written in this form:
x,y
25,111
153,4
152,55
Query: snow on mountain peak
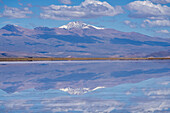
x,y
79,25
79,91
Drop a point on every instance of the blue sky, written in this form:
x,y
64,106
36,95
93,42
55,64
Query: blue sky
x,y
151,17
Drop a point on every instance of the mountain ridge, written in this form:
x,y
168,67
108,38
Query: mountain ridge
x,y
79,25
78,41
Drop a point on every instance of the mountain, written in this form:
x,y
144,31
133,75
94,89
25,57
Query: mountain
x,y
79,91
43,29
12,28
160,54
77,39
79,25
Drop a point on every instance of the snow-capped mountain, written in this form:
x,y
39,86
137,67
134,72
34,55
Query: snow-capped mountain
x,y
79,91
77,39
79,25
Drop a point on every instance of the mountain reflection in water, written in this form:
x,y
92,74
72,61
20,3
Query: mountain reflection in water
x,y
85,86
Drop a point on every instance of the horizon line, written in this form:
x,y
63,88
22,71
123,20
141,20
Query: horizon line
x,y
77,59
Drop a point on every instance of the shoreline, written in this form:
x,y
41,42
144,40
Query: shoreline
x,y
76,59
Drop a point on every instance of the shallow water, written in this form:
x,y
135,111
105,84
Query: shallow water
x,y
85,86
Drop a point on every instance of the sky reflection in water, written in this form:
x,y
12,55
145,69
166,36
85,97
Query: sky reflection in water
x,y
85,86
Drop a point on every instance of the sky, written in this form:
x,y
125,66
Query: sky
x,y
149,17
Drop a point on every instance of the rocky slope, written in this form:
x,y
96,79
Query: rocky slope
x,y
77,39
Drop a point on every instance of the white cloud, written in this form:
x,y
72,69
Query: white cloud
x,y
161,1
157,22
29,5
158,92
163,31
130,24
127,22
165,83
151,106
128,93
82,105
65,1
87,9
16,104
12,12
146,9
157,101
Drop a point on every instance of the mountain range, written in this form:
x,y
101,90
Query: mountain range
x,y
78,39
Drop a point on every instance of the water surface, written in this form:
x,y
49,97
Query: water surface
x,y
85,86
